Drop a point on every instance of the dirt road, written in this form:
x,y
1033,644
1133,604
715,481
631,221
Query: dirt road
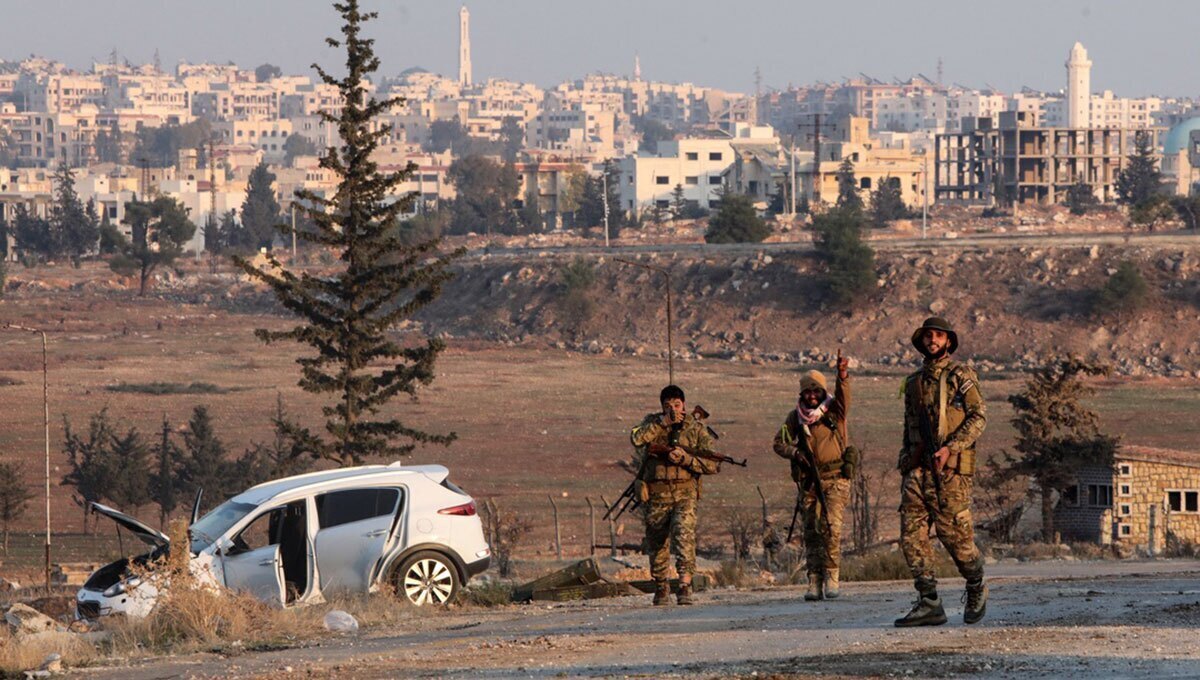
x,y
1053,619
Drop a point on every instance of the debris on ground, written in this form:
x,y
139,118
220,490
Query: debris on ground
x,y
338,621
583,581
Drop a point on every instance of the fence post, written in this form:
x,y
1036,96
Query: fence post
x,y
557,533
592,523
612,531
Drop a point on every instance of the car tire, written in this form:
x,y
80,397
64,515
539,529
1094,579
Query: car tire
x,y
426,578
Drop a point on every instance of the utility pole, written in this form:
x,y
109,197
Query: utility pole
x,y
604,179
925,193
791,208
816,140
293,230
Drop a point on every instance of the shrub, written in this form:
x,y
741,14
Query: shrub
x,y
160,388
487,594
576,305
849,261
1125,290
1081,198
736,222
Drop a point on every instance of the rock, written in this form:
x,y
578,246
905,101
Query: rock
x,y
339,621
25,620
53,663
937,306
7,586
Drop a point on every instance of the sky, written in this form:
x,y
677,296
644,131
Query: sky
x,y
1138,48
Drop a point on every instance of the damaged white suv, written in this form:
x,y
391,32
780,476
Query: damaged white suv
x,y
297,539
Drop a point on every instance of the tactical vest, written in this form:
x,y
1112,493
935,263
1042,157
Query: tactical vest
x,y
946,413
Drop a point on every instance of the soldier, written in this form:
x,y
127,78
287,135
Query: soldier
x,y
669,486
814,434
944,415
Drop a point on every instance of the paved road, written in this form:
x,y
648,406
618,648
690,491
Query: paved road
x,y
1184,240
1050,619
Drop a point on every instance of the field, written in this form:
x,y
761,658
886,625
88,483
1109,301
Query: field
x,y
532,422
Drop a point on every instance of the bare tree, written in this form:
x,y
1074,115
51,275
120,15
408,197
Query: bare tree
x,y
503,530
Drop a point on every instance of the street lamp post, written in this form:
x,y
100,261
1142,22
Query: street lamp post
x,y
670,344
46,425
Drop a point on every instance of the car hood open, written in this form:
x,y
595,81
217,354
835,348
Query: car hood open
x,y
151,537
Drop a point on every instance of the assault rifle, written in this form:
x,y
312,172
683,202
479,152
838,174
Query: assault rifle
x,y
810,460
930,445
628,499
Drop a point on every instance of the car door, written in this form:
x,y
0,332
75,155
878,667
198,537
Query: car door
x,y
353,526
251,559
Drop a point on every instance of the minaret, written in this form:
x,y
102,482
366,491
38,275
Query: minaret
x,y
464,47
637,66
1079,88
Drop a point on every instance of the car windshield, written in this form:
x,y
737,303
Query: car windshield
x,y
218,520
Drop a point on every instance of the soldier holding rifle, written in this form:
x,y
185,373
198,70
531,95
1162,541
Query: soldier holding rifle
x,y
944,414
814,439
676,451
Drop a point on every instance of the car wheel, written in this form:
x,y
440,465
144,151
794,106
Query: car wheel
x,y
426,578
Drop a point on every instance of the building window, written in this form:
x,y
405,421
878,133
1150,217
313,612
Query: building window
x,y
1125,490
1183,501
1126,510
1125,469
1070,497
691,180
865,183
695,156
1126,530
714,155
714,179
662,179
1099,495
662,204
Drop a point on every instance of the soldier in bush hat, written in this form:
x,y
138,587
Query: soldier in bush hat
x,y
944,415
813,439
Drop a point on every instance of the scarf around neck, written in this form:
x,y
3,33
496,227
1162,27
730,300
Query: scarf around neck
x,y
810,416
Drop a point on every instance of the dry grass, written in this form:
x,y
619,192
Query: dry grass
x,y
17,656
487,594
190,616
889,565
736,574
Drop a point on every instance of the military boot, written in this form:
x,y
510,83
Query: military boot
x,y
926,612
684,596
662,594
815,590
831,584
975,601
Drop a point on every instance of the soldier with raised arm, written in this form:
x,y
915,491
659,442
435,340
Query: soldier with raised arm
x,y
813,439
669,487
944,414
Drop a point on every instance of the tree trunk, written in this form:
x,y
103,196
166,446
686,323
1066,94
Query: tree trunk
x,y
1047,514
145,276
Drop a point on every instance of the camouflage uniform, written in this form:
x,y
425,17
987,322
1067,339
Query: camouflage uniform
x,y
826,440
965,419
671,492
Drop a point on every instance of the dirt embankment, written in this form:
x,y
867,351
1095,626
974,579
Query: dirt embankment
x,y
1011,306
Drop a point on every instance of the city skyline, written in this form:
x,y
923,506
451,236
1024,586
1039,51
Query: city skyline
x,y
545,42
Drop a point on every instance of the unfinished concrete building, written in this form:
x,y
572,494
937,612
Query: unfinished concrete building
x,y
1022,162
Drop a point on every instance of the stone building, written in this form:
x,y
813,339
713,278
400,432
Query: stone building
x,y
1148,494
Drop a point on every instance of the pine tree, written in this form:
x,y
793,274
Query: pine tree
x,y
678,202
111,238
887,203
74,231
346,315
1056,434
260,212
848,261
164,482
1141,179
128,485
34,238
204,465
88,462
848,198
